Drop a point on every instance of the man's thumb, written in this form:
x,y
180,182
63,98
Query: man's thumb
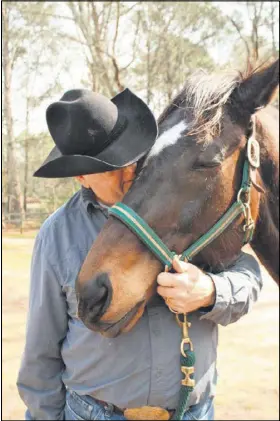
x,y
179,265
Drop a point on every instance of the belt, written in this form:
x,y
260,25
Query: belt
x,y
137,413
105,405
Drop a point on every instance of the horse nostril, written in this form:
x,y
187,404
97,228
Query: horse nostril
x,y
94,298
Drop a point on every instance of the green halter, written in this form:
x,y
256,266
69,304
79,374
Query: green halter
x,y
145,233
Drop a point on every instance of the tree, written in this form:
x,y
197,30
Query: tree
x,y
11,53
98,26
256,32
29,49
175,41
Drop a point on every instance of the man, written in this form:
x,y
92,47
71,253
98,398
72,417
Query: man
x,y
69,372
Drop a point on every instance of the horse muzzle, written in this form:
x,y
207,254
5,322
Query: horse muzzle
x,y
114,329
94,299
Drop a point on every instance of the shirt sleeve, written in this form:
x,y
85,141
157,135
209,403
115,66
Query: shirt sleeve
x,y
236,290
39,381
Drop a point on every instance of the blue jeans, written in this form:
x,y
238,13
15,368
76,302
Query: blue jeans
x,y
86,408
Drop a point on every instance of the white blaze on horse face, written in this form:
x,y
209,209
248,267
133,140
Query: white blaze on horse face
x,y
167,138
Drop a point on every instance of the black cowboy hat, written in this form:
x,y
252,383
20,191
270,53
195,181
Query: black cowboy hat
x,y
94,134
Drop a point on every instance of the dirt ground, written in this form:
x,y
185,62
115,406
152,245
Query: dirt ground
x,y
248,359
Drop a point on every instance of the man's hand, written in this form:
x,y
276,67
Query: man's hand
x,y
187,290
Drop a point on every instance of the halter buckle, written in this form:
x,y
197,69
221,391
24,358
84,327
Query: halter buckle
x,y
249,222
253,152
245,200
249,226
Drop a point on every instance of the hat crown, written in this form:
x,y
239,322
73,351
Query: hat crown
x,y
81,121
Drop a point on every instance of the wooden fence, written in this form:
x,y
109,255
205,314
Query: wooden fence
x,y
30,220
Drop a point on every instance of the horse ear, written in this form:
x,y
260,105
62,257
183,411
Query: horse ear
x,y
258,90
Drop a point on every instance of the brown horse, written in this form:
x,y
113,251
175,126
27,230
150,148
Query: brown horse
x,y
189,179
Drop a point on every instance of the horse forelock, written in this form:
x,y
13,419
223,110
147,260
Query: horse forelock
x,y
204,97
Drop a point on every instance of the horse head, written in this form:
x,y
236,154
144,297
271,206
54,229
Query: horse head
x,y
189,179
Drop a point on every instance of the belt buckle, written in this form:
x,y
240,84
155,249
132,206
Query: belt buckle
x,y
147,413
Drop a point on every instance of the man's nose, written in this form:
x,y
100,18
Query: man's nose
x,y
94,298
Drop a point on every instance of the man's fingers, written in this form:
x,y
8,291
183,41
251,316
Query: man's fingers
x,y
179,265
166,279
171,279
167,292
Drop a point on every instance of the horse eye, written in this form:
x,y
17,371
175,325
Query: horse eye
x,y
201,165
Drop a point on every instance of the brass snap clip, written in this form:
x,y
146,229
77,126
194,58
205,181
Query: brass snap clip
x,y
185,329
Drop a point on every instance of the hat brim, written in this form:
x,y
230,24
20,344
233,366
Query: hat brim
x,y
132,144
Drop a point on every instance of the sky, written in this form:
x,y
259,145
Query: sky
x,y
77,72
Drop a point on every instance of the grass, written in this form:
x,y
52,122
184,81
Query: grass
x,y
11,233
247,354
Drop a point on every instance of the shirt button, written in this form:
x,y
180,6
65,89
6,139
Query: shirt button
x,y
158,374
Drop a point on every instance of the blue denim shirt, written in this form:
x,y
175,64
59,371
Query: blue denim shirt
x,y
135,369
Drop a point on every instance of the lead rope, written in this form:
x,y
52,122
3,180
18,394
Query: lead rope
x,y
187,361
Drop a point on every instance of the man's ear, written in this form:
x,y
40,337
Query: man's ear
x,y
131,168
81,179
258,90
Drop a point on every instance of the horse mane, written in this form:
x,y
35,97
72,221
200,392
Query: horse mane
x,y
205,95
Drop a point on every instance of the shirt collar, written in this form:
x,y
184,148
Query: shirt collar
x,y
90,202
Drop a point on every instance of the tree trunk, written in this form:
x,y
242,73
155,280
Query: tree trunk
x,y
148,95
14,196
272,23
148,46
26,156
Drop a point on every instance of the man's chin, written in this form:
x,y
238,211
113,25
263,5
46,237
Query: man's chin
x,y
124,325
